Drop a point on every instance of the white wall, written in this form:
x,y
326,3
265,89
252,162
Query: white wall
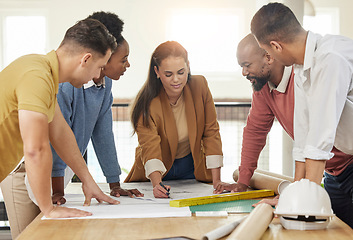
x,y
146,27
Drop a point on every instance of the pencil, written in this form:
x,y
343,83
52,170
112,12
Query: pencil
x,y
164,188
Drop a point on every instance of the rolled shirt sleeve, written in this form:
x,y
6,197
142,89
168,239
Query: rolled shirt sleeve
x,y
214,161
154,165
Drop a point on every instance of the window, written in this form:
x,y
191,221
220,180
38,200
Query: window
x,y
210,37
326,21
22,35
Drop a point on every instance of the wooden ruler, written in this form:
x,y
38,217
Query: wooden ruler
x,y
226,197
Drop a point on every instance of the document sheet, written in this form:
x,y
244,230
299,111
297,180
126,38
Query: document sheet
x,y
139,207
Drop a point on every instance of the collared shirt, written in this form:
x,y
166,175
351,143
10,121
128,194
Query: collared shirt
x,y
323,110
282,86
266,105
92,83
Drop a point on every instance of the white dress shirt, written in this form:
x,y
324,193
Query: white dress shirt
x,y
323,112
91,83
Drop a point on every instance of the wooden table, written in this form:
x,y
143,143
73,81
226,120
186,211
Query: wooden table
x,y
153,228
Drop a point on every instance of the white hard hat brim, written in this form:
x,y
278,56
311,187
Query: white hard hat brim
x,y
295,214
302,225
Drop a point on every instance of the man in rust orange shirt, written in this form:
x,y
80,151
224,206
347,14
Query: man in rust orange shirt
x,y
273,97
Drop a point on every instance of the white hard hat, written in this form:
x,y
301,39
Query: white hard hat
x,y
304,205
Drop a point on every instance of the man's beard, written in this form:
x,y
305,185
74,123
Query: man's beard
x,y
259,82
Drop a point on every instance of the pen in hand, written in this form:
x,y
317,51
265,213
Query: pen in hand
x,y
165,188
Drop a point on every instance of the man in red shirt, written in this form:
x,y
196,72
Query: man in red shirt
x,y
273,96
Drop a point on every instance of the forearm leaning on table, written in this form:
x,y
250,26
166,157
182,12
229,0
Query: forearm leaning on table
x,y
259,123
299,170
37,153
310,169
314,170
57,184
155,177
216,176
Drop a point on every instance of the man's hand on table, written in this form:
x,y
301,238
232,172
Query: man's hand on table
x,y
117,191
91,190
273,202
230,187
58,199
64,212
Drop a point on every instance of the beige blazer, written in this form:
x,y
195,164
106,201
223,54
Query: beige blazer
x,y
160,141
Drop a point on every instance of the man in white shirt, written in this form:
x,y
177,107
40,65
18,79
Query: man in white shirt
x,y
323,110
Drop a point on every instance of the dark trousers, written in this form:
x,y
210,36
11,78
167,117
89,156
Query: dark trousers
x,y
183,168
340,189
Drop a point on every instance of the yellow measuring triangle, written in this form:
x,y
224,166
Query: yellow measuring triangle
x,y
226,197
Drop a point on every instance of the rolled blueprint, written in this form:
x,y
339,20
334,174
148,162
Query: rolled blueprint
x,y
263,181
254,226
284,177
223,230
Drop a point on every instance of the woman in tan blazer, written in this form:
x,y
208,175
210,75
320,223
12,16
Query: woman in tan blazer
x,y
175,120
